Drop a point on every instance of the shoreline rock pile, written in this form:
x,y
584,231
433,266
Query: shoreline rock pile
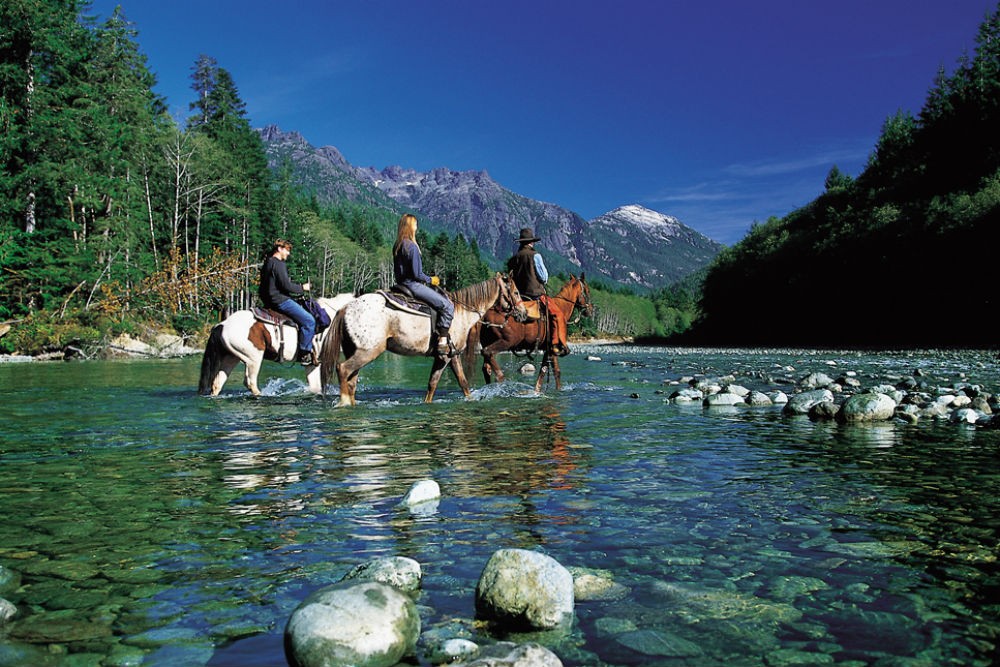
x,y
907,399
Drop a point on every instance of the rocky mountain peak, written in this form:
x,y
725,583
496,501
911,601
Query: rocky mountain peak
x,y
631,245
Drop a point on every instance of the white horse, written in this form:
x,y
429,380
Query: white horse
x,y
243,337
368,326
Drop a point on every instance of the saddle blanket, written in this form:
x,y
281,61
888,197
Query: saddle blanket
x,y
400,302
271,316
268,316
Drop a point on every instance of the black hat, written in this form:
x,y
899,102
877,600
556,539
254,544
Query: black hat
x,y
527,236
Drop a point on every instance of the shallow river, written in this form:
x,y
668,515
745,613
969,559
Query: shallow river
x,y
143,524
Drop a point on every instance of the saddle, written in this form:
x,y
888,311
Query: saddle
x,y
268,316
401,298
279,320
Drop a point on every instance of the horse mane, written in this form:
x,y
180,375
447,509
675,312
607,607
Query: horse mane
x,y
480,294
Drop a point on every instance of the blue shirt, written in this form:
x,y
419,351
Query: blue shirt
x,y
543,274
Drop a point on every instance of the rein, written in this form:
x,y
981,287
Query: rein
x,y
577,306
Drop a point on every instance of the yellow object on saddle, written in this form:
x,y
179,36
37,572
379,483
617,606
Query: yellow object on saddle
x,y
534,309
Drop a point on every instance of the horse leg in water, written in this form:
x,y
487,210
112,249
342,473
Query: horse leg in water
x,y
548,359
347,372
491,369
459,371
436,370
253,363
226,367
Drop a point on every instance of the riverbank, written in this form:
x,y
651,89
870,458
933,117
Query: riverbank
x,y
159,346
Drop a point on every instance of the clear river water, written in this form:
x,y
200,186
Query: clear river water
x,y
142,524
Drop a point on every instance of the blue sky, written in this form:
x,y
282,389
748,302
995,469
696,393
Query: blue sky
x,y
719,112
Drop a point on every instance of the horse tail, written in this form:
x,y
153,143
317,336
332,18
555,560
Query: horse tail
x,y
329,354
471,350
211,361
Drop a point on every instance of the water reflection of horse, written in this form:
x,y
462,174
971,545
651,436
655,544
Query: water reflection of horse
x,y
243,337
500,333
368,326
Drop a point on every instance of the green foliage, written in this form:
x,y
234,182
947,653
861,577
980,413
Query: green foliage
x,y
46,332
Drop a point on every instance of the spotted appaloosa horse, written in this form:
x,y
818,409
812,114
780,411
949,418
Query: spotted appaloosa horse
x,y
368,326
243,337
499,333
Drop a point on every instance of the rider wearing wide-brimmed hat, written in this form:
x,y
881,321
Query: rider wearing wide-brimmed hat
x,y
530,275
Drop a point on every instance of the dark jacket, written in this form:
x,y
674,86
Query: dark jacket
x,y
522,266
275,285
407,265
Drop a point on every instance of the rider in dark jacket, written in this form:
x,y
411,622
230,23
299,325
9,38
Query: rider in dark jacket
x,y
530,275
276,290
408,270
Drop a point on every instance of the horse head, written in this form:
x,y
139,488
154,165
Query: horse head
x,y
582,300
509,300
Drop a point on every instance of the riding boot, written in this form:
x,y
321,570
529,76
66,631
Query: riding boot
x,y
306,358
444,346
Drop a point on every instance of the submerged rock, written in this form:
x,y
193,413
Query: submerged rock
x,y
800,404
525,589
507,654
10,580
401,573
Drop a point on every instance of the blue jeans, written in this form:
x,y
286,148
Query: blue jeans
x,y
306,322
439,302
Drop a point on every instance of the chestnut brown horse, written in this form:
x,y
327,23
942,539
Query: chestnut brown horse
x,y
500,333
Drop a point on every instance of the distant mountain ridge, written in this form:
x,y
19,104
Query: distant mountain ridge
x,y
631,245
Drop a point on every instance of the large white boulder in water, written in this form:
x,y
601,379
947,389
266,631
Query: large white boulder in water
x,y
365,624
524,589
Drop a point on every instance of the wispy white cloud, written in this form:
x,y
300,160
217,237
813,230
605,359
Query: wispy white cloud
x,y
779,166
702,192
724,204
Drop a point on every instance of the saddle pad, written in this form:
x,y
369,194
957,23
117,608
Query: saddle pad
x,y
271,316
400,302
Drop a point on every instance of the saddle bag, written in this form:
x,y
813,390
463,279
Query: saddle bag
x,y
320,315
533,309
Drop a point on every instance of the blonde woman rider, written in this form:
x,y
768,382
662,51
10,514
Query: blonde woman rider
x,y
408,270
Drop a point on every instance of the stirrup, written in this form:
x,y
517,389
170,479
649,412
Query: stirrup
x,y
444,346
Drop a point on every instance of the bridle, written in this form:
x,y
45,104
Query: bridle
x,y
510,296
582,303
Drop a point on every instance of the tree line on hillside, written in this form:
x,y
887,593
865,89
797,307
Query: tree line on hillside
x,y
900,255
114,215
